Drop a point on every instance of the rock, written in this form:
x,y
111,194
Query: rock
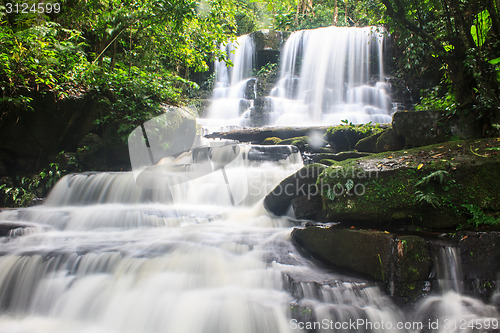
x,y
342,156
302,183
421,128
345,137
368,144
403,263
259,116
268,45
480,259
91,152
305,207
256,135
300,142
169,134
425,186
342,138
271,141
389,140
6,228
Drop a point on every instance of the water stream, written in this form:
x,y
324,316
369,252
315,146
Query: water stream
x,y
105,255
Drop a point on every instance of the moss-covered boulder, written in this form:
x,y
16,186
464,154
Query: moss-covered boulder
x,y
271,141
403,263
368,144
429,186
300,142
389,140
420,128
345,137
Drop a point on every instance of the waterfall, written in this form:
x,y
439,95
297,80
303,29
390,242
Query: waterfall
x,y
105,254
452,311
331,74
233,87
326,75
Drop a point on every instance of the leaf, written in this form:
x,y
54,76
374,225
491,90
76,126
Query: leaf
x,y
420,166
349,185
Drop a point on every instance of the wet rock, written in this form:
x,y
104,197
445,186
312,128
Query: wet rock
x,y
300,184
305,207
271,141
403,263
256,135
342,138
426,187
268,45
342,156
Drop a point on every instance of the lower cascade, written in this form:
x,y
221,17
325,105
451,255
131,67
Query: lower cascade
x,y
106,255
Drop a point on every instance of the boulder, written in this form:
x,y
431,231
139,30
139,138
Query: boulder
x,y
368,144
389,140
425,186
403,263
421,128
300,184
268,45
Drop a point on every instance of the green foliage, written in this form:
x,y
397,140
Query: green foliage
x,y
479,218
432,99
453,42
30,188
429,185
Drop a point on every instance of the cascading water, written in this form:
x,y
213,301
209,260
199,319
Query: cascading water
x,y
105,255
233,88
326,75
452,311
331,74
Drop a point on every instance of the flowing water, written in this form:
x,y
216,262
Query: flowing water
x,y
331,74
326,75
105,255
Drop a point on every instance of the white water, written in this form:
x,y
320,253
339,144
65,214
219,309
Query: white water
x,y
329,74
228,99
453,311
103,255
326,75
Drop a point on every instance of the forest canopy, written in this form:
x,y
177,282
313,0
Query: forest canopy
x,y
144,52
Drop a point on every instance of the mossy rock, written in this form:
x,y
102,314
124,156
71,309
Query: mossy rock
x,y
300,142
271,141
345,137
368,144
425,186
404,261
389,140
302,183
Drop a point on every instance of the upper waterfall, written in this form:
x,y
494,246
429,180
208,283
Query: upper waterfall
x,y
325,75
331,74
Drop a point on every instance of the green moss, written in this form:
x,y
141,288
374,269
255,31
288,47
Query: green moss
x,y
271,141
299,142
388,186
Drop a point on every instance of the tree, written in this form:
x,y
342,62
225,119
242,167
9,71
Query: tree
x,y
464,37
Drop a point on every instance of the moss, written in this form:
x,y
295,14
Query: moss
x,y
299,142
385,187
271,141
